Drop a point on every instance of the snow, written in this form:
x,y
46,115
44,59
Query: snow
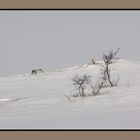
x,y
44,101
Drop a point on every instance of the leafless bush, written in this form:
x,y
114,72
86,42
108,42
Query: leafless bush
x,y
107,58
80,83
99,85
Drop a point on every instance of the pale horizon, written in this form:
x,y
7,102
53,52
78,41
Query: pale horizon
x,y
57,39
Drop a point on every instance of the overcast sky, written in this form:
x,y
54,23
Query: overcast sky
x,y
57,39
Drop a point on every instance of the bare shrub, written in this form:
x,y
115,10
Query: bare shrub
x,y
107,58
80,83
98,85
105,73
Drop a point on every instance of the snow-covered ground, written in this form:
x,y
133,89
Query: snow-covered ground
x,y
44,101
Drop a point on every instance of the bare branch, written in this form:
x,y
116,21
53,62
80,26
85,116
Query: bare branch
x,y
80,83
115,53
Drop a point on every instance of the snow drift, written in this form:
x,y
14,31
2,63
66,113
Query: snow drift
x,y
44,101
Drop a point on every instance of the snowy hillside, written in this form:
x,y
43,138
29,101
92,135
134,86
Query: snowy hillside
x,y
45,101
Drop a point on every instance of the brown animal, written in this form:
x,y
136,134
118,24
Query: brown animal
x,y
34,72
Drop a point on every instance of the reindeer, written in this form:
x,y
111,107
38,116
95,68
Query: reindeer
x,y
34,72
